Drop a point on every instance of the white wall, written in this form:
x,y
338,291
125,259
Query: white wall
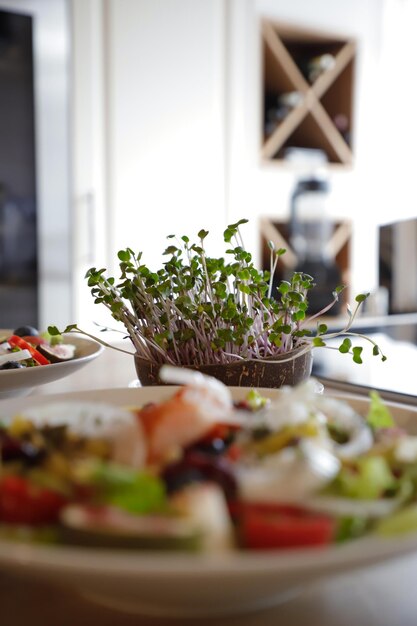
x,y
165,121
398,119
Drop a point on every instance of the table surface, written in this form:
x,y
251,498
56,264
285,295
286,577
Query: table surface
x,y
383,595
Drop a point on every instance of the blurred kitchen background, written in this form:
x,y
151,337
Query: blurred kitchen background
x,y
123,121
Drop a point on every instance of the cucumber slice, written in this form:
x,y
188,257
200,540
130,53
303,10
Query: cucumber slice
x,y
108,527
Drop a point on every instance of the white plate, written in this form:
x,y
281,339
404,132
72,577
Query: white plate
x,y
189,584
20,382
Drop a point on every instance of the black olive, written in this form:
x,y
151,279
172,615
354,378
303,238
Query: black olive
x,y
32,455
214,446
12,449
197,467
26,331
9,448
11,365
178,477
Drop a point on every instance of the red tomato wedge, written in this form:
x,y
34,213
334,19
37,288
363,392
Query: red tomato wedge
x,y
19,342
24,503
267,526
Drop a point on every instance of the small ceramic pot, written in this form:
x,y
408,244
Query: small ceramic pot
x,y
272,373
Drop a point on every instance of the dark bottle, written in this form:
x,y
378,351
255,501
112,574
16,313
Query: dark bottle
x,y
310,234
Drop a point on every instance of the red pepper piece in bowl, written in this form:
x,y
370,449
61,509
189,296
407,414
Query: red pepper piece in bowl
x,y
18,342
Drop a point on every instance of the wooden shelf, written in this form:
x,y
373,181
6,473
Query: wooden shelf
x,y
320,112
338,248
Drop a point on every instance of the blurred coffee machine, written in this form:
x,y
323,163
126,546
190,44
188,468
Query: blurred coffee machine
x,y
310,228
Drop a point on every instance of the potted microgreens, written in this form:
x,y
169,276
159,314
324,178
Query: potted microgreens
x,y
219,316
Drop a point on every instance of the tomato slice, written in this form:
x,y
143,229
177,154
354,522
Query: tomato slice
x,y
24,503
19,342
35,340
265,526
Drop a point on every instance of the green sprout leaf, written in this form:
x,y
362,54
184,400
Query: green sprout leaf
x,y
170,250
345,346
123,255
362,297
53,331
357,351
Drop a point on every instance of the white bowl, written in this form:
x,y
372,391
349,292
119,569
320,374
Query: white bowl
x,y
20,382
192,584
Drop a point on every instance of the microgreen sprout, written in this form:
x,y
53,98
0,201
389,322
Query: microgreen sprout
x,y
201,310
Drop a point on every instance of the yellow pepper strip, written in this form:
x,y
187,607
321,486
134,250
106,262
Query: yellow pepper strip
x,y
276,441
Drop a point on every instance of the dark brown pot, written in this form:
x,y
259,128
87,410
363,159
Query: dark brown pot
x,y
272,373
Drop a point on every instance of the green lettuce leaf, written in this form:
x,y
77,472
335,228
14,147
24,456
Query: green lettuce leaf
x,y
367,480
126,488
400,523
378,415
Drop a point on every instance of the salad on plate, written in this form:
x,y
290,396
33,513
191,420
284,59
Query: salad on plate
x,y
200,472
27,347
